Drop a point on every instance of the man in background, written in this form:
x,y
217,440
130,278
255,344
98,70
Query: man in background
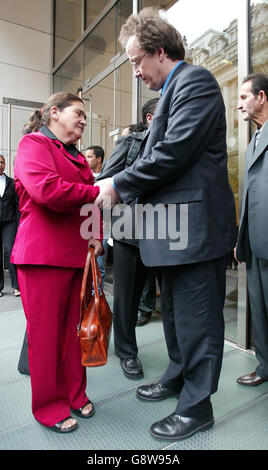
x,y
252,245
9,220
95,155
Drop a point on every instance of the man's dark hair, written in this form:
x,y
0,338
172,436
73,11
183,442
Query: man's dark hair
x,y
99,152
149,108
259,82
140,127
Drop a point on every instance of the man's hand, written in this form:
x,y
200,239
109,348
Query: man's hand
x,y
107,197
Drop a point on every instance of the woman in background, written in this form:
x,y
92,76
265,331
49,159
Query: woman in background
x,y
53,181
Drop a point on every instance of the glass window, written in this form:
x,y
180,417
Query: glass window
x,y
123,96
109,107
163,4
69,77
124,10
68,17
99,46
259,37
99,103
93,9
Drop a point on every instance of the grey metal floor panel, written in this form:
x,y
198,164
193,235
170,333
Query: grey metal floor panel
x,y
121,420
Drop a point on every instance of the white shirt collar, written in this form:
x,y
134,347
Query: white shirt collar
x,y
2,184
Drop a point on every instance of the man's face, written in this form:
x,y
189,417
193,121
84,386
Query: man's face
x,y
92,160
146,66
2,165
249,104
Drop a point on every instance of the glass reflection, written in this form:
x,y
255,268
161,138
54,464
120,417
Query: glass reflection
x,y
67,31
259,36
69,77
93,9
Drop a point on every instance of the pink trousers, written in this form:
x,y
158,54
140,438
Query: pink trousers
x,y
51,301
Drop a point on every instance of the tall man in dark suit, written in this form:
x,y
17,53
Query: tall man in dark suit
x,y
252,245
182,166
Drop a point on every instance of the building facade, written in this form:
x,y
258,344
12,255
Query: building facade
x,y
72,45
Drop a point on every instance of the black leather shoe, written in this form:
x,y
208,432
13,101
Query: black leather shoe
x,y
142,318
251,380
155,392
132,367
175,427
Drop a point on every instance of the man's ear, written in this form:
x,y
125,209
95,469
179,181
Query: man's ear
x,y
262,96
160,53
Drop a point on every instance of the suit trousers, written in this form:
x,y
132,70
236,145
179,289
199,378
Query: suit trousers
x,y
8,232
51,302
192,300
129,278
257,277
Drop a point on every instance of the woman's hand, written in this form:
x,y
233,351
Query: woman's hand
x,y
98,248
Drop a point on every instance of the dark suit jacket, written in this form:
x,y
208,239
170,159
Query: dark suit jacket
x,y
9,203
116,163
254,212
183,161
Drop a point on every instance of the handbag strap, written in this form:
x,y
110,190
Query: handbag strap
x,y
88,280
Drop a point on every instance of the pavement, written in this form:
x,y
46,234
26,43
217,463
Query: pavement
x,y
121,422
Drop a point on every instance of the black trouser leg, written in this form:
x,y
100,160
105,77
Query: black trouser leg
x,y
194,330
129,278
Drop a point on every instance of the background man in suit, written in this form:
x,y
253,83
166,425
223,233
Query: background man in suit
x,y
252,245
9,220
183,164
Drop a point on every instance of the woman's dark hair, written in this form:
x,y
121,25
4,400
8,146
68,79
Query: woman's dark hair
x,y
41,116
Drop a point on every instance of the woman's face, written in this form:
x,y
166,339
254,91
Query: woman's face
x,y
70,122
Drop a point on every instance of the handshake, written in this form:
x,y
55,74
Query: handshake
x,y
108,197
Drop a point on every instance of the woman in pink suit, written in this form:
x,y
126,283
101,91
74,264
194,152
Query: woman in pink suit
x,y
53,181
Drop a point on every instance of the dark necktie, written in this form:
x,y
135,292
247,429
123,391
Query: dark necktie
x,y
257,136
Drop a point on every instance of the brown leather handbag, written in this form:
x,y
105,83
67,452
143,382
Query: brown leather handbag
x,y
95,316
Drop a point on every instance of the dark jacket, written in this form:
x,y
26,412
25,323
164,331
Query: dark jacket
x,y
183,163
124,154
9,203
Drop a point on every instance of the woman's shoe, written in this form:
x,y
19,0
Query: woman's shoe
x,y
58,426
79,411
1,294
16,292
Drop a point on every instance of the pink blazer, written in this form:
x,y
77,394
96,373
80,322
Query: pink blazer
x,y
52,185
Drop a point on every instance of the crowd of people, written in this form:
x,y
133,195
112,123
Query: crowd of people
x,y
180,159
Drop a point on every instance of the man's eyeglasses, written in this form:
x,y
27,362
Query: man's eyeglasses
x,y
138,61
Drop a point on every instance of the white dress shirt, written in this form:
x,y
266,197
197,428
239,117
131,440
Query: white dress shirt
x,y
2,184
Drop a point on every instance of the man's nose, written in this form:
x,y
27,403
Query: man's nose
x,y
137,73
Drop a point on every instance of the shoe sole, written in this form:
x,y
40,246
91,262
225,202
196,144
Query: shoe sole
x,y
202,428
133,377
176,395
